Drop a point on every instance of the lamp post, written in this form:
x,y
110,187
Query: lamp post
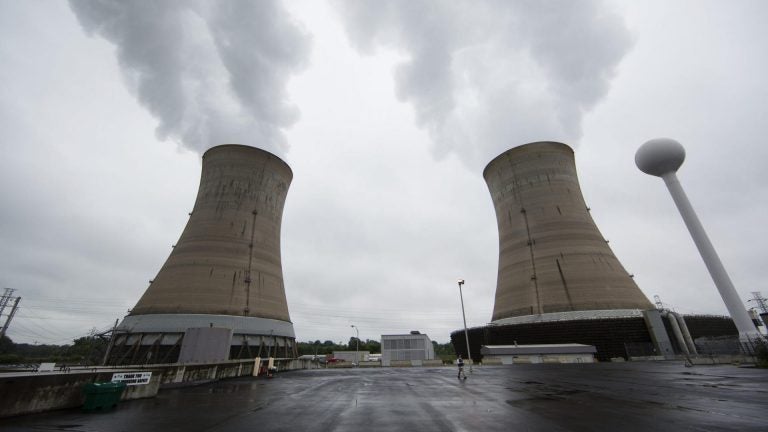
x,y
466,333
357,345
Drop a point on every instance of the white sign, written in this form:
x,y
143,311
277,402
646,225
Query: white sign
x,y
132,378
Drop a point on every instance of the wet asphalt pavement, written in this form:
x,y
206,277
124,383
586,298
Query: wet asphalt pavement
x,y
587,397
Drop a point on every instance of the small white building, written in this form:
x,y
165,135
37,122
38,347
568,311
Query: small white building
x,y
549,353
414,347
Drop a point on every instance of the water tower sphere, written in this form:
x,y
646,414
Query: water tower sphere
x,y
660,156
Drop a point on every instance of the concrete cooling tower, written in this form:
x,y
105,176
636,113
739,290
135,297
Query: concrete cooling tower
x,y
552,257
220,293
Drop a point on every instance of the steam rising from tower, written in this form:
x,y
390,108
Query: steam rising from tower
x,y
225,271
552,257
207,71
537,86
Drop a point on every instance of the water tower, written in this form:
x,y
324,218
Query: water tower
x,y
662,157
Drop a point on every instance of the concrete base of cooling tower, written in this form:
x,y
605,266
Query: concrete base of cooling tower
x,y
625,333
161,338
179,323
571,316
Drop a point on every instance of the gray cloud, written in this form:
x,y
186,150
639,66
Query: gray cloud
x,y
486,76
209,72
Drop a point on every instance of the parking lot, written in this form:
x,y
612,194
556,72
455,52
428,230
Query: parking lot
x,y
578,397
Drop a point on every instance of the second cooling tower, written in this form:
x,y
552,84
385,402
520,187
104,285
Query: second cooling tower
x,y
221,289
552,257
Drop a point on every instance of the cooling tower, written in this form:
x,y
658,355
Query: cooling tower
x,y
224,272
552,258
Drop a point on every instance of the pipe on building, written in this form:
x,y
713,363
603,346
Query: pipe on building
x,y
686,333
676,330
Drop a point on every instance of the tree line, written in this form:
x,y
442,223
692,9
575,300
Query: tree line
x,y
86,350
90,350
328,347
444,351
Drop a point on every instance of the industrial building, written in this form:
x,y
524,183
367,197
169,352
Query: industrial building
x,y
558,280
220,293
414,347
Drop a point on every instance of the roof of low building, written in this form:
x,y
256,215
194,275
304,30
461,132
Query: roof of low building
x,y
406,335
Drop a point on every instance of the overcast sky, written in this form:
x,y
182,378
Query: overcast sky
x,y
387,112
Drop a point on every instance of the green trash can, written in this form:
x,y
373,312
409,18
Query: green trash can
x,y
102,395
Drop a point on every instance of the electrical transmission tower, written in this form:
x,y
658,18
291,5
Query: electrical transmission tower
x,y
760,301
5,300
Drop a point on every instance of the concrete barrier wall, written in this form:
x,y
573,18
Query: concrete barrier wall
x,y
723,359
26,394
22,395
186,374
38,392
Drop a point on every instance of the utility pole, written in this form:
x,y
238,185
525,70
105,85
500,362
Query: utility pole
x,y
466,334
111,342
357,346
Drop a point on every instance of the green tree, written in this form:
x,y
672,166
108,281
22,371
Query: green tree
x,y
87,350
6,345
444,352
351,345
327,347
7,355
372,346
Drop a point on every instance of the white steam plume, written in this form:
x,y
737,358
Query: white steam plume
x,y
484,76
210,72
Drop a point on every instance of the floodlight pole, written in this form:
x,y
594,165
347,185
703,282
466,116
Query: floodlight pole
x,y
357,346
466,333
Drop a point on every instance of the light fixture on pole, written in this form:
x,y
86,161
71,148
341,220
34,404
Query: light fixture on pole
x,y
357,346
466,334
